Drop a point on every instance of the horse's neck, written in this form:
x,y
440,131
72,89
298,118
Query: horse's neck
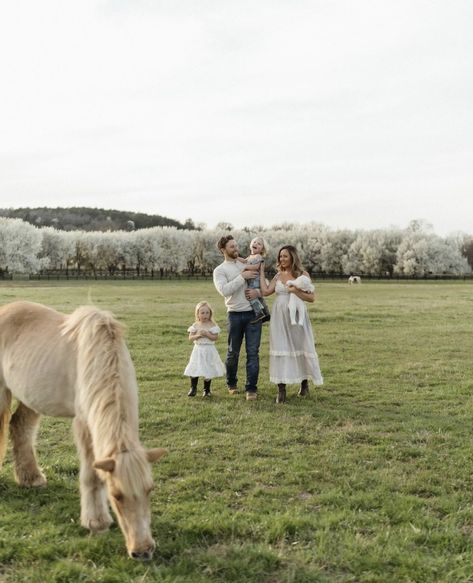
x,y
112,414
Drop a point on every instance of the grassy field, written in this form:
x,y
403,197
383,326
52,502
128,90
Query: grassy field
x,y
369,479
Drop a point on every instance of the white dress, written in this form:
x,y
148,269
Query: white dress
x,y
292,355
205,361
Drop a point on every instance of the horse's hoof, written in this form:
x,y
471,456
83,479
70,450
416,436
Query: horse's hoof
x,y
96,525
39,482
34,481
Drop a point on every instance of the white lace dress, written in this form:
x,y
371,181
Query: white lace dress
x,y
292,355
205,360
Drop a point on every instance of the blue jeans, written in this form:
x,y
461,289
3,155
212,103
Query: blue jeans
x,y
258,304
239,327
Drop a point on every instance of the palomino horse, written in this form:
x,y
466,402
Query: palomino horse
x,y
79,366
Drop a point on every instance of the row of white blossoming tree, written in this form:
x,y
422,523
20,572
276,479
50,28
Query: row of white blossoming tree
x,y
413,251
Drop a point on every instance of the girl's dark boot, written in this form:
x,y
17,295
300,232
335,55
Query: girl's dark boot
x,y
304,390
281,398
193,389
207,392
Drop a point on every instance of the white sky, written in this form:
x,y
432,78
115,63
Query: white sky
x,y
350,113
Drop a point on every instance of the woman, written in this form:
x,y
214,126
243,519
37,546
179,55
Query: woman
x,y
292,356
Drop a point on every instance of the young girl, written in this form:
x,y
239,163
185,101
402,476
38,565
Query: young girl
x,y
254,261
205,360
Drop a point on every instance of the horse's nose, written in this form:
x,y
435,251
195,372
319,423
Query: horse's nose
x,y
143,555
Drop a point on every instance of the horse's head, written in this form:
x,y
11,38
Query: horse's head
x,y
129,485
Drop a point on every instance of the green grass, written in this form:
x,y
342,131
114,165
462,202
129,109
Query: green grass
x,y
367,480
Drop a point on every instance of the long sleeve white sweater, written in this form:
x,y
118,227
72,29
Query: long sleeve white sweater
x,y
232,285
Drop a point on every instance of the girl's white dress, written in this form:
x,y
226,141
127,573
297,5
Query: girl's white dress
x,y
205,361
292,355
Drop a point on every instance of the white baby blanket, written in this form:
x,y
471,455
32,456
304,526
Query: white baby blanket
x,y
296,305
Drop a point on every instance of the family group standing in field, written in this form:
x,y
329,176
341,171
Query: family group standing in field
x,y
79,366
292,355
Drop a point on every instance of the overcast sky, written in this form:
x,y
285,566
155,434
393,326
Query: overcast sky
x,y
350,113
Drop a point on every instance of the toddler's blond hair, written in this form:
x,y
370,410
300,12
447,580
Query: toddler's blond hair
x,y
262,242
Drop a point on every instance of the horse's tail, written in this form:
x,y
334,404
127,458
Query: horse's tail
x,y
5,402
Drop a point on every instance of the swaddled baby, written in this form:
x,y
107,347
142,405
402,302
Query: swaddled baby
x,y
296,305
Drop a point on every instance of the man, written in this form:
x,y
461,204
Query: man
x,y
230,279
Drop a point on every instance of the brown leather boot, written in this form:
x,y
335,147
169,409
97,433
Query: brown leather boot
x,y
281,398
304,390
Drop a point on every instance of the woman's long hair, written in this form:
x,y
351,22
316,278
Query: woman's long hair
x,y
296,265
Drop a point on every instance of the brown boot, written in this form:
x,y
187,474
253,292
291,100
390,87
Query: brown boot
x,y
304,390
281,398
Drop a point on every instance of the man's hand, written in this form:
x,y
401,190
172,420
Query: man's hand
x,y
247,274
251,294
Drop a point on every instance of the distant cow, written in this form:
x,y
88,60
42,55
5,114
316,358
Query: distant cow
x,y
354,279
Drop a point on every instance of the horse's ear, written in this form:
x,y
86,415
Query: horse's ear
x,y
107,465
153,455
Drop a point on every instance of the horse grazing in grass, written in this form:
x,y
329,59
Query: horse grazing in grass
x,y
354,279
78,366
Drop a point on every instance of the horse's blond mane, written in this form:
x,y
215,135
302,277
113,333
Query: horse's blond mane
x,y
107,392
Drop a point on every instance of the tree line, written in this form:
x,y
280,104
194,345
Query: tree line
x,y
91,219
414,251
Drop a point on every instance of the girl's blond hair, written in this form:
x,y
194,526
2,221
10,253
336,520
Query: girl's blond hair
x,y
201,305
261,241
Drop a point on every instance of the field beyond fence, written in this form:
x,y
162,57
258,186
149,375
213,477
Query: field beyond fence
x,y
369,479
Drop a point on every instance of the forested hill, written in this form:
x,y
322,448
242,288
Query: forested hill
x,y
91,219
